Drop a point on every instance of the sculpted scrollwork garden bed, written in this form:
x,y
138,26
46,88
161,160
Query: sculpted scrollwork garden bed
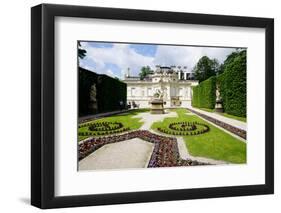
x,y
185,128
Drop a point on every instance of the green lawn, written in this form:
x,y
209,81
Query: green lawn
x,y
215,144
126,119
243,119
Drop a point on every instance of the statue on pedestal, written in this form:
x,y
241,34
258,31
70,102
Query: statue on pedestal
x,y
157,103
93,99
218,106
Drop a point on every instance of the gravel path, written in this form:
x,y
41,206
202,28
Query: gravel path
x,y
149,118
134,153
230,121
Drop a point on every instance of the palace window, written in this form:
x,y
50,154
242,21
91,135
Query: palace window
x,y
133,92
149,91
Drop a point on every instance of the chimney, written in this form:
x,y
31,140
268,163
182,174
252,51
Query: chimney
x,y
128,72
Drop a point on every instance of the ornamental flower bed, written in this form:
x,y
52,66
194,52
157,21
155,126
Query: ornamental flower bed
x,y
185,128
164,154
103,128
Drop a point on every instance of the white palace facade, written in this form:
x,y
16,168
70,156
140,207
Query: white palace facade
x,y
175,85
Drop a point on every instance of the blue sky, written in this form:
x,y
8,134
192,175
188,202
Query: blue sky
x,y
114,59
144,49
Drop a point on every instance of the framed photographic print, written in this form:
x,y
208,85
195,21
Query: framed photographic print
x,y
139,106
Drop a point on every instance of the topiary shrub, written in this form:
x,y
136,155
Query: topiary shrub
x,y
233,84
109,93
204,95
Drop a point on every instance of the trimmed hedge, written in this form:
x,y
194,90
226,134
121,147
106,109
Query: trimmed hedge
x,y
109,93
204,95
233,85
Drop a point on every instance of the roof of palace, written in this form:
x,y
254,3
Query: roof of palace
x,y
158,70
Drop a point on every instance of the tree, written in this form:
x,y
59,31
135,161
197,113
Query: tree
x,y
229,59
144,72
220,69
81,52
215,65
205,68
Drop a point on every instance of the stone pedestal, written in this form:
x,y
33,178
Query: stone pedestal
x,y
157,106
218,106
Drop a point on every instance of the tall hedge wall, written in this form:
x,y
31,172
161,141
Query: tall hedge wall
x,y
109,92
233,85
204,95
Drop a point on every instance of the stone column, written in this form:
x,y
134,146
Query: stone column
x,y
179,75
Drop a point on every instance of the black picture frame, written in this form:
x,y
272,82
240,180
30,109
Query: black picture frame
x,y
43,105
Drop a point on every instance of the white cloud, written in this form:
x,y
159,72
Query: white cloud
x,y
125,57
120,55
187,55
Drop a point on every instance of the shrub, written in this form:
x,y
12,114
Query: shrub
x,y
204,94
109,93
233,85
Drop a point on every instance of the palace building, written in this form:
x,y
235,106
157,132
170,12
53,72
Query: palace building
x,y
173,83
